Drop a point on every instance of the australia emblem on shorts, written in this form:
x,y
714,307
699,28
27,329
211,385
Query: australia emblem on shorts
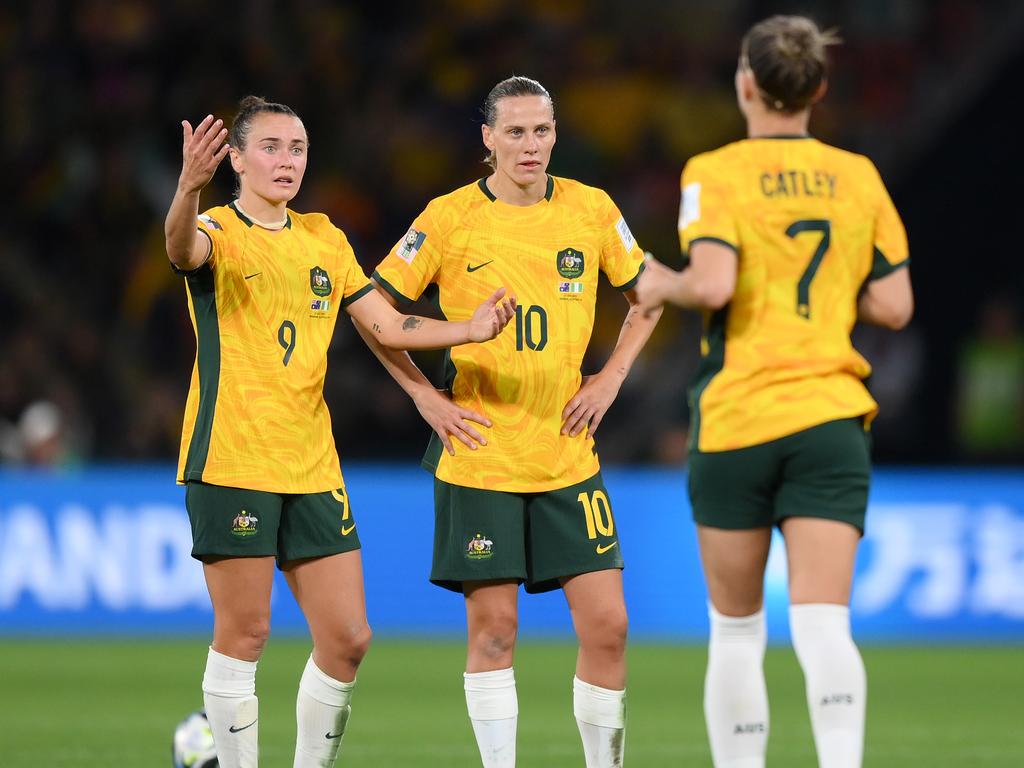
x,y
244,524
479,547
320,281
570,263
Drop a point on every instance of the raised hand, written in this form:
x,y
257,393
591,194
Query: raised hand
x,y
491,316
201,152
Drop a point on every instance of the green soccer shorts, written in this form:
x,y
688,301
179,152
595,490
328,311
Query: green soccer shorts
x,y
236,522
534,538
823,471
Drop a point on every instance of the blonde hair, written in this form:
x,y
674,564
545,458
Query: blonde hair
x,y
787,56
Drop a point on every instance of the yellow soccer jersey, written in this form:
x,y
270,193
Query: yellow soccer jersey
x,y
810,224
548,255
264,308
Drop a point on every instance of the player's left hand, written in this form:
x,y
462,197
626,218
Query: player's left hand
x,y
652,288
491,317
588,406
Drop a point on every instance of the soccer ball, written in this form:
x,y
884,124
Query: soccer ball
x,y
193,743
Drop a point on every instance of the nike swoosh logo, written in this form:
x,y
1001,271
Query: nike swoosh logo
x,y
345,532
233,729
478,266
601,549
254,274
334,735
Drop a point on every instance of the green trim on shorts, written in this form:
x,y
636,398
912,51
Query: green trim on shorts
x,y
823,472
239,522
534,538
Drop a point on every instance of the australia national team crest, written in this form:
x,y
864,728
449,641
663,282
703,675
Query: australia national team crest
x,y
245,524
320,281
479,548
570,263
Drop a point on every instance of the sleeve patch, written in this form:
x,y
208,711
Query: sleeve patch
x,y
411,245
628,242
210,221
689,206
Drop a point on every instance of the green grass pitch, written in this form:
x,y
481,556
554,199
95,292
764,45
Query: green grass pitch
x,y
101,703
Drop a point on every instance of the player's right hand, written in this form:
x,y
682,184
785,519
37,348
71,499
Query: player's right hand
x,y
447,419
201,152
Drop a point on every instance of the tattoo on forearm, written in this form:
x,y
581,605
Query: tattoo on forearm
x,y
627,324
376,328
412,323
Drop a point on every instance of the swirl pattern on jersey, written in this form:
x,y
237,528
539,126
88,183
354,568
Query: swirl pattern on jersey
x,y
264,307
548,255
810,223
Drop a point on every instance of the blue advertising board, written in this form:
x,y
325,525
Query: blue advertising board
x,y
106,551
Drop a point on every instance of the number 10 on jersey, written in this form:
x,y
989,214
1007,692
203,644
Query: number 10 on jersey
x,y
531,328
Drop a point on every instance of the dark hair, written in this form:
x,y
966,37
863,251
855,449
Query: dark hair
x,y
507,88
248,108
787,57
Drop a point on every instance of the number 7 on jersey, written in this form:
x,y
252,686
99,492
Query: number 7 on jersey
x,y
803,288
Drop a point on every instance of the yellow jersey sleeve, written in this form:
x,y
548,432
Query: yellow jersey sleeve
x,y
890,251
212,223
414,261
354,284
706,206
622,259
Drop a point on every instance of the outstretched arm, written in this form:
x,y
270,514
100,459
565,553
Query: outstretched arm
x,y
393,329
588,406
437,409
708,282
202,150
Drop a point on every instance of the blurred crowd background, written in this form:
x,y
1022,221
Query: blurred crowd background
x,y
97,349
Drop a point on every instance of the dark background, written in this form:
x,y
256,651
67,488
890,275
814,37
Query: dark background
x,y
97,349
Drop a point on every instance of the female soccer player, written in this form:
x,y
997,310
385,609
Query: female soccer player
x,y
531,506
790,241
265,286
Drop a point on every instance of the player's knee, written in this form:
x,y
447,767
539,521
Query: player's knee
x,y
248,637
606,631
359,643
496,634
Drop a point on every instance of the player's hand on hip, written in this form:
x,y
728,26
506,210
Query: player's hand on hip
x,y
448,419
492,316
201,152
587,407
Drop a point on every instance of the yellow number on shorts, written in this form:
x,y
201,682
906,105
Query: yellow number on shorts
x,y
598,514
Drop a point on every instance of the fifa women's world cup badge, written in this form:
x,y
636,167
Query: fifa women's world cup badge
x,y
244,524
479,548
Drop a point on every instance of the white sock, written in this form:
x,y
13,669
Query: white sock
x,y
735,696
601,717
229,695
494,712
836,683
321,712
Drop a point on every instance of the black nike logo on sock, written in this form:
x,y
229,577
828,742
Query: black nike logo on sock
x,y
233,729
334,735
